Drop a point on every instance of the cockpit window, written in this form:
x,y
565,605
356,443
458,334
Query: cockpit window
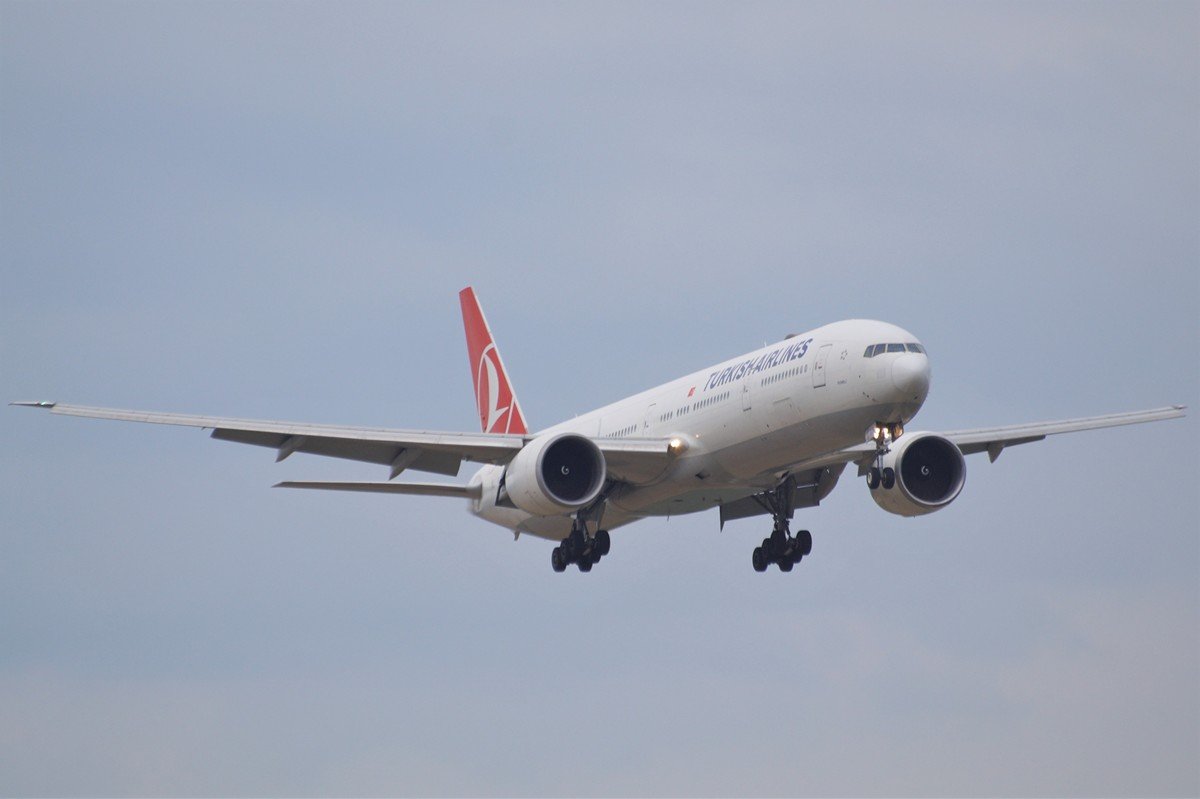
x,y
880,349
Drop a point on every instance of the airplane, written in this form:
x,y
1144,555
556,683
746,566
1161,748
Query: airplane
x,y
763,434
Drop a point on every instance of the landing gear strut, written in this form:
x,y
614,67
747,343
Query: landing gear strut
x,y
781,547
581,549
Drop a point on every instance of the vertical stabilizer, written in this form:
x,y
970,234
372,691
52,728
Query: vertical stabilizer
x,y
499,411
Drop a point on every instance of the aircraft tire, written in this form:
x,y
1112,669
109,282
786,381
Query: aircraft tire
x,y
603,542
888,478
585,564
785,564
804,543
873,478
557,561
759,559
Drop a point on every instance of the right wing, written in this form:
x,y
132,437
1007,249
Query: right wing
x,y
813,478
993,440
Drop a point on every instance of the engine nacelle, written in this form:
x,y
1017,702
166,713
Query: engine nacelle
x,y
555,474
927,473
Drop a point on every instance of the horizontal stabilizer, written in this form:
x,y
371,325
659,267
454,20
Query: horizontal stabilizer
x,y
424,489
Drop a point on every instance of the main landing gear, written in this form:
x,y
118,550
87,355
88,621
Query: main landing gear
x,y
581,549
781,547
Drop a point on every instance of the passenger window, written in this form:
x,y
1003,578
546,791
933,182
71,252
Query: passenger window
x,y
895,348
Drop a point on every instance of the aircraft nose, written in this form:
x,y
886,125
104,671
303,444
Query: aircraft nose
x,y
910,375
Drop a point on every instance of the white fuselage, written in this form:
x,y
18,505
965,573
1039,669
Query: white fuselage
x,y
742,423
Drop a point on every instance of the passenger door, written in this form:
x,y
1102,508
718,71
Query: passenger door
x,y
819,365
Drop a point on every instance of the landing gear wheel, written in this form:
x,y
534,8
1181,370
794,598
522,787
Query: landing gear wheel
x,y
603,542
785,564
887,478
759,559
873,478
557,561
804,543
585,564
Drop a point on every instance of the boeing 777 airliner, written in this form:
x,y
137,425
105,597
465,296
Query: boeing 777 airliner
x,y
761,434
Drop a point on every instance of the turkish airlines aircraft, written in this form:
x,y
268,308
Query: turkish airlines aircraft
x,y
761,434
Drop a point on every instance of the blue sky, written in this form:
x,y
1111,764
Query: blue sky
x,y
266,210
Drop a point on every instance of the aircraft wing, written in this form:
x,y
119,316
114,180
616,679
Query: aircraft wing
x,y
423,450
419,489
993,440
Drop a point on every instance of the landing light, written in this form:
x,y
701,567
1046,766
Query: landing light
x,y
676,446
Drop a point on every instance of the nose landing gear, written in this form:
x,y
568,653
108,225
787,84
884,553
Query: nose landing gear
x,y
883,434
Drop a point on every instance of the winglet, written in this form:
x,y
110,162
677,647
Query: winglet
x,y
499,411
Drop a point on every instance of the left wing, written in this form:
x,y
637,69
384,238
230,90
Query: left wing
x,y
419,489
423,450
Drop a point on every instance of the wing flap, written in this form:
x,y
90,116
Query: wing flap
x,y
385,453
635,460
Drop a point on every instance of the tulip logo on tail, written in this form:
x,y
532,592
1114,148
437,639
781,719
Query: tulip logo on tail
x,y
499,411
487,386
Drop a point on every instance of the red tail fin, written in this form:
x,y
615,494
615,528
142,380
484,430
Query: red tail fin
x,y
499,411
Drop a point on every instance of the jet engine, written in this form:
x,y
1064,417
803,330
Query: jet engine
x,y
555,474
921,473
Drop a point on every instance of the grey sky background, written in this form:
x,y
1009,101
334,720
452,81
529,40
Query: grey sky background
x,y
266,210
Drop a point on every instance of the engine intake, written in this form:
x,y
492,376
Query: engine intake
x,y
555,474
929,472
